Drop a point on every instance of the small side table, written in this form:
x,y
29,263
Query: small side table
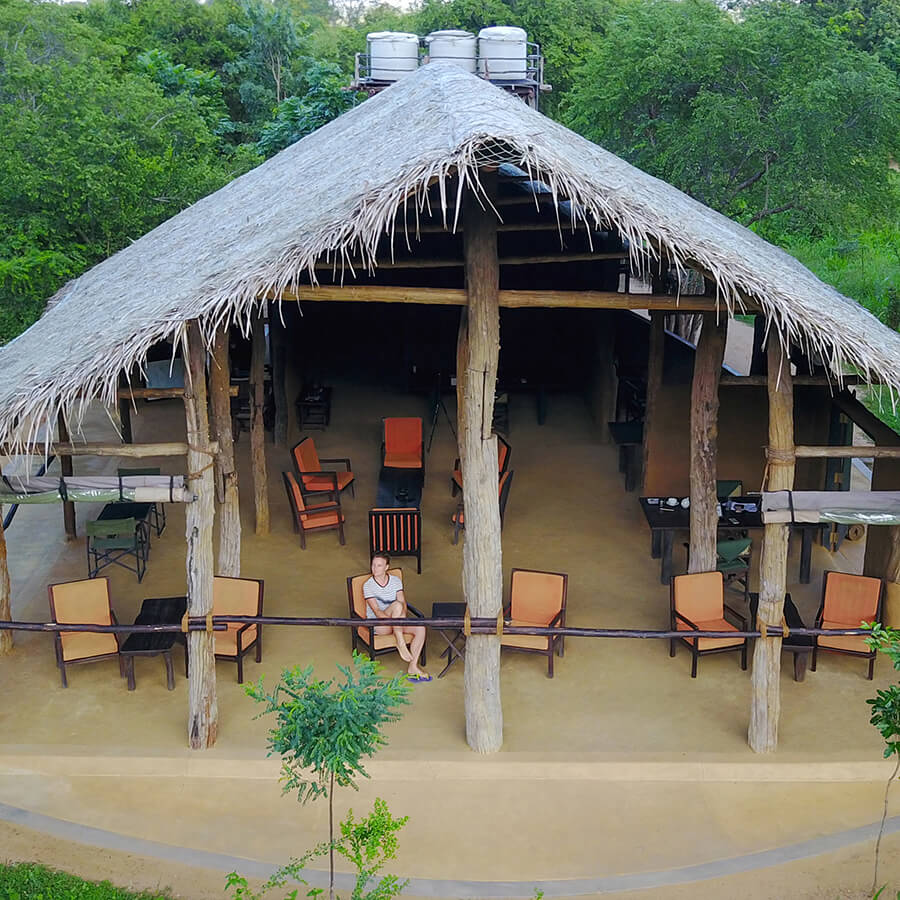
x,y
155,611
452,636
314,408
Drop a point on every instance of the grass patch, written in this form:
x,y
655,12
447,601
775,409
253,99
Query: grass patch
x,y
29,881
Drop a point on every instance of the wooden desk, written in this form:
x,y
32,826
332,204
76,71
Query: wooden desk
x,y
314,408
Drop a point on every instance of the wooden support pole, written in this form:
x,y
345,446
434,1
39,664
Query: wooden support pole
x,y
603,383
765,706
203,713
278,337
130,451
477,355
229,559
6,637
68,470
125,412
704,442
257,427
655,358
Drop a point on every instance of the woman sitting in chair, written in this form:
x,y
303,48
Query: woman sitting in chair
x,y
384,598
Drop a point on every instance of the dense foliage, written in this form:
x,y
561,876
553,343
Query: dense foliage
x,y
21,881
116,114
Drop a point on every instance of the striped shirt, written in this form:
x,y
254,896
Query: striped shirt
x,y
383,596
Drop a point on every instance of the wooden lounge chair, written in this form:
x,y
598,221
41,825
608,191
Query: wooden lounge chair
x,y
504,451
536,598
402,447
847,602
697,603
312,516
312,478
158,511
397,531
238,597
459,517
83,602
111,542
363,637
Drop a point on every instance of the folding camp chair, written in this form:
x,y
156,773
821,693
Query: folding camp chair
x,y
112,541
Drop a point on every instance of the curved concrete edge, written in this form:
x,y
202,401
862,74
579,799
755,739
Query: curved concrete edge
x,y
423,887
463,768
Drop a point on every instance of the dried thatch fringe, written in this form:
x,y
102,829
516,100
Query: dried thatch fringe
x,y
337,192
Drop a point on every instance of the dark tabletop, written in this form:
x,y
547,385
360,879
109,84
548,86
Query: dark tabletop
x,y
125,510
447,610
156,611
659,515
399,488
627,432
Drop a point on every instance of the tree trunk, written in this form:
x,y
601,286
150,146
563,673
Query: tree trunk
x,y
257,427
203,714
229,562
125,413
655,358
765,679
67,469
278,337
477,355
704,440
6,637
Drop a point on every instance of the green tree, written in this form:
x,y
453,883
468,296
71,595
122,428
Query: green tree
x,y
328,729
767,118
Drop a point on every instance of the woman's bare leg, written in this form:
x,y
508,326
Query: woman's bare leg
x,y
418,642
397,610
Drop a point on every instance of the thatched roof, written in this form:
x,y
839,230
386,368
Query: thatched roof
x,y
337,190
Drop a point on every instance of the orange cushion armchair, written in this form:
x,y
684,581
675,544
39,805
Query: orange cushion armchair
x,y
312,517
697,603
536,598
238,597
363,637
312,478
847,602
459,517
83,602
402,447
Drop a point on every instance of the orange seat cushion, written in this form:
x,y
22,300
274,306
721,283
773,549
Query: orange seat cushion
x,y
856,643
403,442
314,483
321,520
711,625
457,477
226,641
850,599
535,597
528,641
84,602
398,460
83,645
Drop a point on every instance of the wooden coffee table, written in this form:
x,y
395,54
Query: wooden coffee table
x,y
453,651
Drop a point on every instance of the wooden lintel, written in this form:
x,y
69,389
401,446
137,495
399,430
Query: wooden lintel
x,y
433,263
512,299
99,449
835,452
823,380
428,227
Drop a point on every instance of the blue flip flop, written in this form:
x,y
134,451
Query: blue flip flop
x,y
418,678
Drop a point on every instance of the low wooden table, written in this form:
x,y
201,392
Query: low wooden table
x,y
314,408
453,652
156,611
800,644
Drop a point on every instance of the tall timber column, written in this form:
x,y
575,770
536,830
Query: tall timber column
x,y
765,705
229,560
477,353
67,470
278,338
704,441
6,637
257,426
655,359
203,713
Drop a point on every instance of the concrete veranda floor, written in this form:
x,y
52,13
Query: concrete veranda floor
x,y
620,764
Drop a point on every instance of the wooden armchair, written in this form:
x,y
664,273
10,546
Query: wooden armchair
x,y
312,516
402,447
504,451
397,531
238,597
83,602
847,602
459,517
697,603
363,637
539,599
312,479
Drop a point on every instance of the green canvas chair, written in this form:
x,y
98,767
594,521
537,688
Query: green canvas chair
x,y
112,542
733,561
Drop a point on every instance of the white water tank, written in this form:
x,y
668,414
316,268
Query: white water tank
x,y
501,53
456,47
392,54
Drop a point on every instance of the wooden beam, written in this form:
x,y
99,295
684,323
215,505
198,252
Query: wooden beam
x,y
229,557
655,358
171,448
814,380
369,293
435,263
704,443
174,393
843,452
879,431
482,575
426,227
203,710
257,427
765,708
67,469
6,637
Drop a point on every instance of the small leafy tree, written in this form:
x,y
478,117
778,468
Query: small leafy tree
x,y
886,716
324,730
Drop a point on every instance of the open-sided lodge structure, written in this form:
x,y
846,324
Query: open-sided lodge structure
x,y
443,190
